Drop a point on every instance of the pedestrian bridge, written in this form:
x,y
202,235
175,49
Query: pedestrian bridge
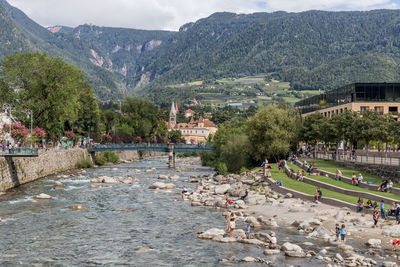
x,y
171,149
19,152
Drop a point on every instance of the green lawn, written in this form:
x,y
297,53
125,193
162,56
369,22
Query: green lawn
x,y
331,167
344,185
307,188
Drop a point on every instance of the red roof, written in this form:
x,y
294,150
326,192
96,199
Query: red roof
x,y
208,123
190,111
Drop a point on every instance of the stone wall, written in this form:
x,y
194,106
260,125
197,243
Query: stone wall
x,y
386,171
17,171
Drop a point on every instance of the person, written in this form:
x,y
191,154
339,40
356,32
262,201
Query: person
x,y
343,233
368,204
228,202
354,180
397,213
279,166
303,174
273,242
298,175
395,243
383,185
360,204
232,225
338,175
246,193
375,205
360,179
389,186
310,169
337,231
184,190
318,194
382,207
375,217
247,230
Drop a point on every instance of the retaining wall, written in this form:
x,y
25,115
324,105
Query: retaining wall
x,y
17,171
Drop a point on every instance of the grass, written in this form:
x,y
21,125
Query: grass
x,y
344,185
331,167
307,188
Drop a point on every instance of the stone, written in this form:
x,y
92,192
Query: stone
x,y
296,254
143,249
163,177
79,207
96,180
252,242
211,233
269,252
125,210
308,244
221,239
323,251
159,185
374,243
58,183
149,170
289,195
109,180
249,259
43,196
239,234
174,177
293,250
222,189
339,257
196,204
389,264
241,204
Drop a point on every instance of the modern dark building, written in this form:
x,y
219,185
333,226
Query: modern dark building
x,y
381,97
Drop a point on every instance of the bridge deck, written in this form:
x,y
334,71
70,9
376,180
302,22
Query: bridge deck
x,y
19,152
177,148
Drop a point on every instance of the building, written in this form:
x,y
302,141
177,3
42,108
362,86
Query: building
x,y
382,97
194,132
189,113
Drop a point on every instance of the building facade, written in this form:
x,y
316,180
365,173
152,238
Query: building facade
x,y
384,98
194,132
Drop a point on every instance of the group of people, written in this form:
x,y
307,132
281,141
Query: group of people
x,y
299,175
379,211
386,186
340,233
356,180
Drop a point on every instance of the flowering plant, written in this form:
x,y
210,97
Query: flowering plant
x,y
18,131
154,140
138,139
106,138
70,135
38,133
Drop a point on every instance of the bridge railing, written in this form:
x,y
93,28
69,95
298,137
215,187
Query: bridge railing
x,y
151,145
23,151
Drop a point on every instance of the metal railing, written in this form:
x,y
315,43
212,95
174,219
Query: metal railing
x,y
19,152
376,160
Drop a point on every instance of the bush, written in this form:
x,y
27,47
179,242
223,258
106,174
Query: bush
x,y
221,168
99,160
84,163
110,157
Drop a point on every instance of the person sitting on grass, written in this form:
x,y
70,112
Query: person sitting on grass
x,y
318,195
310,169
360,204
368,204
389,186
298,174
383,185
354,180
338,176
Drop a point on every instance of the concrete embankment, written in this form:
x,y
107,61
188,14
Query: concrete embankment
x,y
17,171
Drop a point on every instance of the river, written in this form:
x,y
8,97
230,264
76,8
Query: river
x,y
49,233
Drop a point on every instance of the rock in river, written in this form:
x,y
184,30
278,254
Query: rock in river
x,y
159,185
79,207
222,189
43,196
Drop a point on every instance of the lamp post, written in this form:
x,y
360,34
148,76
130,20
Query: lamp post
x,y
29,114
7,108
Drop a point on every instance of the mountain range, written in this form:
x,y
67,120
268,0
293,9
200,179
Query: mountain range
x,y
311,50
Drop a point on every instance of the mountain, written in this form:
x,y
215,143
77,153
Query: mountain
x,y
311,50
227,44
20,33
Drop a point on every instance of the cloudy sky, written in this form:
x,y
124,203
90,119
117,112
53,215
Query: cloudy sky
x,y
170,14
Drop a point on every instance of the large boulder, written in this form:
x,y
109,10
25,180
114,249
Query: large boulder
x,y
374,243
269,252
392,231
159,185
211,233
174,177
239,234
43,196
108,180
222,189
252,242
252,221
241,204
293,250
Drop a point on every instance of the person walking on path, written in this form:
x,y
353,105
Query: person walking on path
x,y
382,207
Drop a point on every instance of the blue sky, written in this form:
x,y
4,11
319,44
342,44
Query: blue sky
x,y
171,14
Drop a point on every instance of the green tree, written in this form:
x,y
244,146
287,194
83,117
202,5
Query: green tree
x,y
47,86
271,133
234,152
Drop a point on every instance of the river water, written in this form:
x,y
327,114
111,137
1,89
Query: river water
x,y
49,233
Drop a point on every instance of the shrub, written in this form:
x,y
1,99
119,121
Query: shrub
x,y
84,163
110,157
99,160
221,168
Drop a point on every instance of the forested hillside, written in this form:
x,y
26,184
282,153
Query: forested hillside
x,y
311,50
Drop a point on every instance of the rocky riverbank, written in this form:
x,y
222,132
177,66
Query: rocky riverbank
x,y
269,212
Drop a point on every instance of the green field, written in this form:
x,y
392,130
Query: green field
x,y
345,185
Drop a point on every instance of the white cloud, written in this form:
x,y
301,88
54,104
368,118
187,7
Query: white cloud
x,y
171,14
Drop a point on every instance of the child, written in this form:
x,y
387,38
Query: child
x,y
247,231
337,230
395,243
375,217
273,241
354,180
343,233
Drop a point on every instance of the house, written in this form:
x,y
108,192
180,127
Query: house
x,y
189,113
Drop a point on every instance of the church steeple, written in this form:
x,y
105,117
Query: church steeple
x,y
172,116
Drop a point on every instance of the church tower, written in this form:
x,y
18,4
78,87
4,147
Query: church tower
x,y
172,116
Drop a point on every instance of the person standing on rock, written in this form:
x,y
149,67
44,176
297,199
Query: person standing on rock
x,y
343,233
232,225
337,231
382,206
273,242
